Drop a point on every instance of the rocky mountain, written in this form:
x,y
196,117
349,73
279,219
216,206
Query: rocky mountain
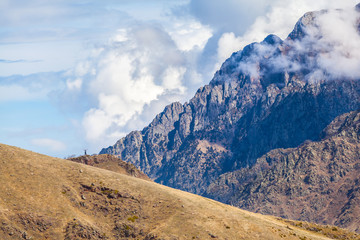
x,y
318,181
49,198
273,94
111,163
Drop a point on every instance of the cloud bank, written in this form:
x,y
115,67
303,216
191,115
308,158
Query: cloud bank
x,y
324,46
146,66
132,77
279,19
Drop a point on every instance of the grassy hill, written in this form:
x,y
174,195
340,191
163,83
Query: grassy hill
x,y
110,162
49,198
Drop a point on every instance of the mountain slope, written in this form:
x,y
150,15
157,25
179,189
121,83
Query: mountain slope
x,y
111,163
318,181
49,198
273,94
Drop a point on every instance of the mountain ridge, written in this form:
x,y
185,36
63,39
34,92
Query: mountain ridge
x,y
317,181
234,112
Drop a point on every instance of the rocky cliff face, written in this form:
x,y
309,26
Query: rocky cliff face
x,y
273,94
318,181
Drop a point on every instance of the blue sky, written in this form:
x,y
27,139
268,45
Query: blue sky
x,y
78,75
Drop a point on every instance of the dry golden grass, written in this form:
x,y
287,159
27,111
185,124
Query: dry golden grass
x,y
110,162
48,198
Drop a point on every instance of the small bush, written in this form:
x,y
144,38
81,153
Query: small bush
x,y
133,218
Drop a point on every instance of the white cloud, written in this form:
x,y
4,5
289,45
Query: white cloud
x,y
51,144
96,122
228,43
190,35
329,49
279,19
172,78
134,75
341,36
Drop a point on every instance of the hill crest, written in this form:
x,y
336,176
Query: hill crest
x,y
50,198
111,163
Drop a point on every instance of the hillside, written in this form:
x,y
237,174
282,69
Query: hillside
x,y
48,198
318,181
111,163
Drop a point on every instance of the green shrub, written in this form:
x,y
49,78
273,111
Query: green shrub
x,y
133,218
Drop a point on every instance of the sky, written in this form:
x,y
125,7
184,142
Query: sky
x,y
78,75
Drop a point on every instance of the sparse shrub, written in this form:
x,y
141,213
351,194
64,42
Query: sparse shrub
x,y
133,218
126,231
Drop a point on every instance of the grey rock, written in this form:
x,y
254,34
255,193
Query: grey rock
x,y
317,181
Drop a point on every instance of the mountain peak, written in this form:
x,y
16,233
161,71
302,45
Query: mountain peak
x,y
272,40
306,21
269,95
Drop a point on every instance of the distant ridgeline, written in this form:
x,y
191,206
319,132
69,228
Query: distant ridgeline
x,y
270,95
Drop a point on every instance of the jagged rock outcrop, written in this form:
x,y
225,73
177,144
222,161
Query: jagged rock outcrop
x,y
273,94
318,181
